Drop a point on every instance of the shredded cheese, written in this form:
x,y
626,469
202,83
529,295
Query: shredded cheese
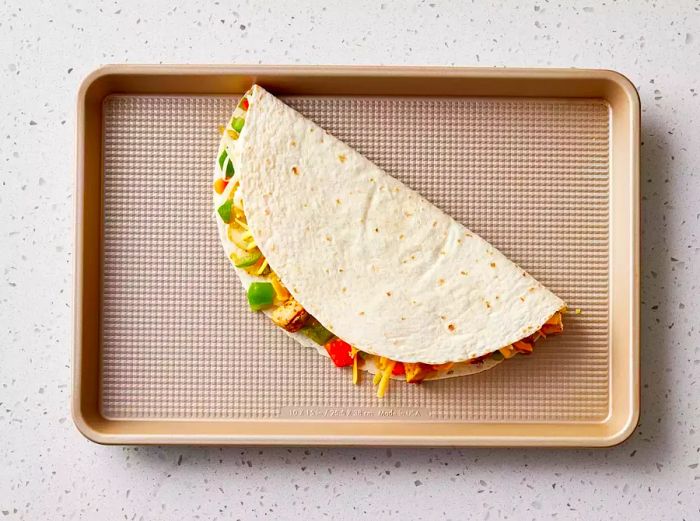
x,y
507,352
355,356
377,377
262,268
385,379
443,367
280,291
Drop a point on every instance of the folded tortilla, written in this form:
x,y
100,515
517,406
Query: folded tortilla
x,y
373,261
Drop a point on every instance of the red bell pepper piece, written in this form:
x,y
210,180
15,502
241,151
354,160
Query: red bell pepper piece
x,y
398,369
340,352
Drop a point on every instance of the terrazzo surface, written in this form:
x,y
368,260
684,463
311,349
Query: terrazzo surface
x,y
49,471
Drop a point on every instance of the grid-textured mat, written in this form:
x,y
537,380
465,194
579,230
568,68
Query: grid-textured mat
x,y
530,176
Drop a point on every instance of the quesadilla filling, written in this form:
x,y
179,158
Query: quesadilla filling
x,y
269,294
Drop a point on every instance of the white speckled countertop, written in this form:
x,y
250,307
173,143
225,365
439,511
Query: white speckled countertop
x,y
49,471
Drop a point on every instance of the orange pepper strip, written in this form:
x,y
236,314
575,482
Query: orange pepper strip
x,y
220,186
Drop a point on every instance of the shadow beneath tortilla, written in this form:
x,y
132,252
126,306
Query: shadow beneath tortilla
x,y
643,449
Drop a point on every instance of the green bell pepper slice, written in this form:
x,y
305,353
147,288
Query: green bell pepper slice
x,y
222,158
237,124
260,295
316,332
225,211
246,260
229,169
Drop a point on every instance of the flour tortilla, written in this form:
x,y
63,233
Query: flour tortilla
x,y
373,261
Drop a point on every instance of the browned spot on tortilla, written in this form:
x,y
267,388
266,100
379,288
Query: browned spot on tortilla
x,y
402,237
408,214
328,238
459,241
343,289
341,270
342,158
531,289
267,211
375,268
295,290
361,313
295,170
371,179
463,273
388,293
337,201
522,299
441,282
493,264
443,317
498,297
413,257
451,327
467,234
403,318
487,304
376,230
443,252
293,143
434,224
